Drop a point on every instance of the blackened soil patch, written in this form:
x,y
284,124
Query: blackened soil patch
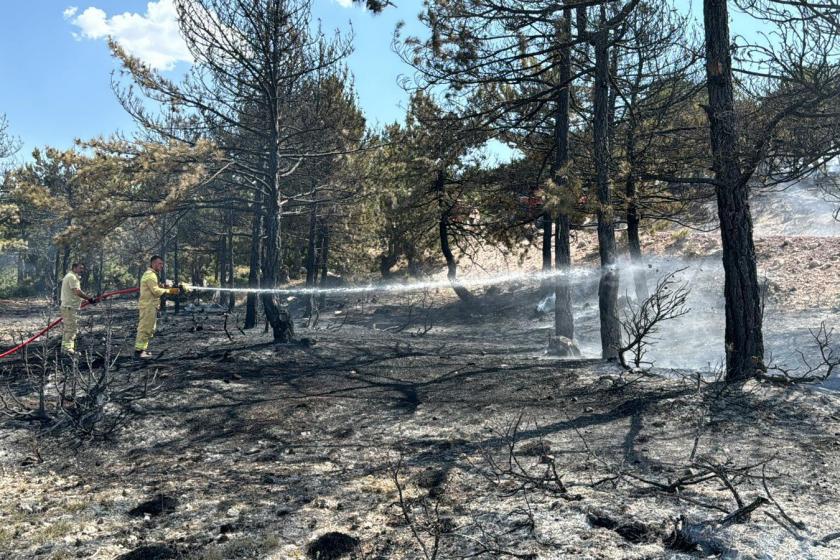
x,y
331,546
156,506
150,552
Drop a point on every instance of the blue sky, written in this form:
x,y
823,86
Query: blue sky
x,y
55,66
55,83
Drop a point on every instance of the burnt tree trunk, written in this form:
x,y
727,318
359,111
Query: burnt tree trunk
x,y
65,261
443,231
311,257
564,321
164,270
176,269
21,268
319,246
634,244
386,262
279,319
56,288
254,262
545,224
608,285
218,263
744,344
231,272
323,256
221,266
100,271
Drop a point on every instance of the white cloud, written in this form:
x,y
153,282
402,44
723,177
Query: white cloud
x,y
153,37
345,3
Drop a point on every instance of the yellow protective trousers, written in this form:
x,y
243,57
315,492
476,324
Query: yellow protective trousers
x,y
146,326
70,316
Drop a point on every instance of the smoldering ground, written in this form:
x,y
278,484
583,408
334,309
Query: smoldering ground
x,y
408,419
261,449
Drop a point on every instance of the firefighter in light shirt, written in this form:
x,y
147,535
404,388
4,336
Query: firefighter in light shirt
x,y
71,301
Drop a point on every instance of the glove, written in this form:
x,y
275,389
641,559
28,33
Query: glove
x,y
92,300
185,288
173,291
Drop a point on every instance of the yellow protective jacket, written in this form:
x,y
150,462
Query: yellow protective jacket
x,y
150,291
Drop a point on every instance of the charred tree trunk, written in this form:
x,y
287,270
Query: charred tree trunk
x,y
744,343
231,272
608,285
319,245
279,319
100,271
65,261
311,258
254,262
221,255
386,262
564,321
217,265
164,270
545,224
634,244
176,269
324,255
443,231
56,287
21,269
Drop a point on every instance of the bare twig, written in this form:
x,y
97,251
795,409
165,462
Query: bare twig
x,y
641,322
828,359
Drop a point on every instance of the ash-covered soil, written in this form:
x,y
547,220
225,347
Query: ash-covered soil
x,y
397,426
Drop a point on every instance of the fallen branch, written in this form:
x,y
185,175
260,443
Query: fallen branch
x,y
828,361
743,513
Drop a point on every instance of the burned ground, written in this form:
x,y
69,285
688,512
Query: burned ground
x,y
400,425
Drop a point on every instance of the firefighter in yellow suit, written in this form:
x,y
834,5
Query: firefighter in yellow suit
x,y
149,302
71,299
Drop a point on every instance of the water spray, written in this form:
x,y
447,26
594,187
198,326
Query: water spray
x,y
575,275
395,288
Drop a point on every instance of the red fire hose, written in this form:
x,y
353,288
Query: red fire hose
x,y
106,295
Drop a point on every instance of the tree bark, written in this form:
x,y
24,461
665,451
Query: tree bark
x,y
388,260
56,289
100,268
221,255
634,244
21,267
254,262
545,223
443,231
319,247
176,269
162,275
311,260
279,319
231,271
564,321
325,247
744,343
65,261
608,285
